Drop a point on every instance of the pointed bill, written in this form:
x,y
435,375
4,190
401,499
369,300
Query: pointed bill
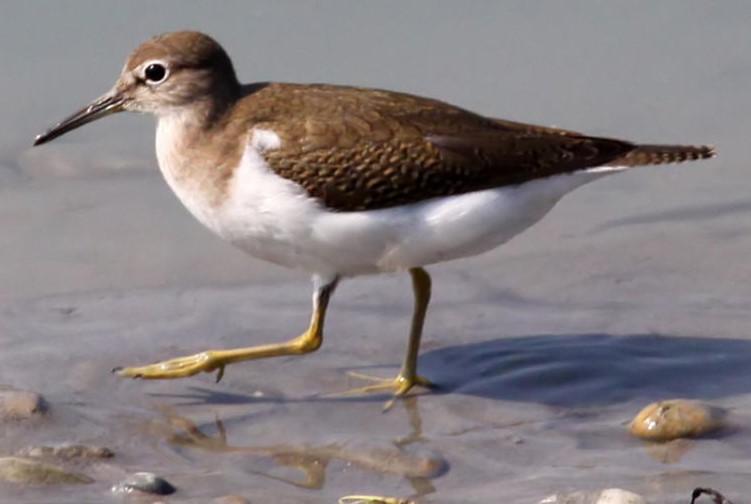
x,y
110,103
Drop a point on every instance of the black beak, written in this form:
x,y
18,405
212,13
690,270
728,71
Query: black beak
x,y
110,103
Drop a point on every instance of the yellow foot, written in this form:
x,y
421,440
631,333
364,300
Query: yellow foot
x,y
399,385
180,367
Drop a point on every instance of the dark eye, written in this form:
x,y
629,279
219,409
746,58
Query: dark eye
x,y
155,73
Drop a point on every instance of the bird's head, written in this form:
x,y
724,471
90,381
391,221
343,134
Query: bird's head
x,y
168,74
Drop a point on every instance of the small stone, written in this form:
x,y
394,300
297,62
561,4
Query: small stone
x,y
607,496
144,482
18,470
230,499
18,404
676,418
618,496
68,451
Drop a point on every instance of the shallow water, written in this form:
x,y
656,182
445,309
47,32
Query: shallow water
x,y
634,289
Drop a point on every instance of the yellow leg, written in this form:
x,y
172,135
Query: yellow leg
x,y
407,377
216,360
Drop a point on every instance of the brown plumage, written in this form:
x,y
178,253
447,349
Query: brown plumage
x,y
364,149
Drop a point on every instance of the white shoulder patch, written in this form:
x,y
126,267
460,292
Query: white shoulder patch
x,y
264,139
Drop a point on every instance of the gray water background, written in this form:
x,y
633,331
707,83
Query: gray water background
x,y
635,288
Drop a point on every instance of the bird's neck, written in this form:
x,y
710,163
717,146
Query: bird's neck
x,y
194,155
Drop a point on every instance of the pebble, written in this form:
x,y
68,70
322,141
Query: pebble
x,y
607,496
16,404
18,470
618,496
68,451
144,483
677,418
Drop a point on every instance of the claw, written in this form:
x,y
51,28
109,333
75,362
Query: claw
x,y
401,385
219,373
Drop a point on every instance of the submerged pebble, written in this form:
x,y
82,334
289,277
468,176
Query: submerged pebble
x,y
68,451
16,404
144,482
676,418
607,496
18,470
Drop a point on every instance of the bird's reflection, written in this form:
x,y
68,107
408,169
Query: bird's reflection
x,y
311,460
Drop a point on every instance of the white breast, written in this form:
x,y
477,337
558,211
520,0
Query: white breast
x,y
188,190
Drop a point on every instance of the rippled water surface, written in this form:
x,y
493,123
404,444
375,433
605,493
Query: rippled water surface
x,y
636,288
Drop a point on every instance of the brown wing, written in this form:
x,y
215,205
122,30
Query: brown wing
x,y
362,149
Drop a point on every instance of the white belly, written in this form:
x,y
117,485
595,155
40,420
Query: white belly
x,y
275,220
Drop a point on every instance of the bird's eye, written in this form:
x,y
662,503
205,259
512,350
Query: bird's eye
x,y
155,73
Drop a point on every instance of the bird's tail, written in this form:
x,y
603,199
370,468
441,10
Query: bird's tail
x,y
663,154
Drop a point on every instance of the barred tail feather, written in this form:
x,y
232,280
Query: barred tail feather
x,y
663,154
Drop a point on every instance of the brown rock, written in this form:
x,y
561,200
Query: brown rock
x,y
18,404
677,418
67,451
18,470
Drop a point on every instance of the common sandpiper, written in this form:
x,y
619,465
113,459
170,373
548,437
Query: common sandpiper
x,y
344,181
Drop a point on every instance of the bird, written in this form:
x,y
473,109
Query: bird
x,y
341,181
